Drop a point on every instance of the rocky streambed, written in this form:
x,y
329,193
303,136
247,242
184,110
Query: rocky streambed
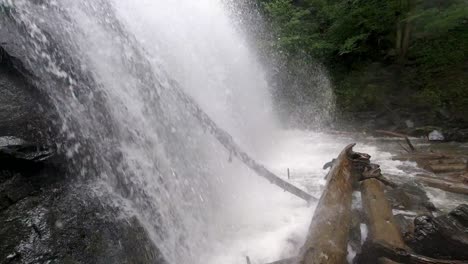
x,y
429,200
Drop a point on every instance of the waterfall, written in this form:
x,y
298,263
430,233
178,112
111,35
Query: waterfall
x,y
108,68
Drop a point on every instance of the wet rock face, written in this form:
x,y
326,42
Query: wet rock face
x,y
21,107
48,215
48,218
444,237
410,197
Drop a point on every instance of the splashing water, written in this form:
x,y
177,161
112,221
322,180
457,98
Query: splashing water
x,y
108,69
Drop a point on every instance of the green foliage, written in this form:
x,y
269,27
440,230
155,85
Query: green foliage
x,y
436,21
421,45
433,54
326,29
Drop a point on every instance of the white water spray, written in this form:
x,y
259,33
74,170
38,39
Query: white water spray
x,y
108,66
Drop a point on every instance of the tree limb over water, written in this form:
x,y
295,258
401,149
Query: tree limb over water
x,y
227,141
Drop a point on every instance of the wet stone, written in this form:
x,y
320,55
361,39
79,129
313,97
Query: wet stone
x,y
444,237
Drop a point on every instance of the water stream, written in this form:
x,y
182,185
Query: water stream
x,y
108,67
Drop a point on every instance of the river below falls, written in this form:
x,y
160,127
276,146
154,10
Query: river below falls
x,y
270,224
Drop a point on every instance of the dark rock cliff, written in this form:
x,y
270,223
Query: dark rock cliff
x,y
47,214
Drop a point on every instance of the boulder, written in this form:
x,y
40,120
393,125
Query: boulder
x,y
442,237
410,197
24,112
436,135
49,217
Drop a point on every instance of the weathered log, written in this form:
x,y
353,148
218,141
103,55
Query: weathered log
x,y
423,156
408,141
391,133
396,134
446,185
327,239
441,168
227,141
454,160
379,216
400,255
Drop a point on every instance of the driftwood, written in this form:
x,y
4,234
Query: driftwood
x,y
422,156
455,160
446,185
391,133
378,250
327,239
379,215
396,134
226,140
441,168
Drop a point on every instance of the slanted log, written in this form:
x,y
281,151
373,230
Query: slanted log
x,y
228,142
327,239
391,133
441,168
379,216
396,134
446,185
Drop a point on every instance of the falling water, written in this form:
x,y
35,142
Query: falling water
x,y
110,68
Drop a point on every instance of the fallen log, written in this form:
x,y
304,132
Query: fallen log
x,y
446,185
327,239
379,216
396,134
456,176
423,156
441,168
226,140
455,160
391,133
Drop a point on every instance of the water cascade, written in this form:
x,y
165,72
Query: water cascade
x,y
110,69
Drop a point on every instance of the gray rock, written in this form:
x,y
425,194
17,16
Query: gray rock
x,y
409,123
444,237
436,135
47,214
48,217
21,113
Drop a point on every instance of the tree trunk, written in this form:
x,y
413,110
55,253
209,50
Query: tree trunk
x,y
379,214
399,30
406,40
327,240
